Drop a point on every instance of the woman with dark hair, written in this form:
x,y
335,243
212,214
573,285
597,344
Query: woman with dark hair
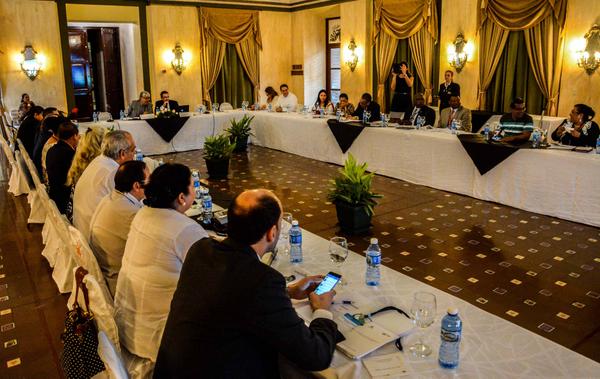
x,y
272,97
159,239
25,105
580,130
402,81
323,102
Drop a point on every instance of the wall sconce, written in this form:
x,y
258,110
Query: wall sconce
x,y
31,62
351,56
587,50
178,58
459,52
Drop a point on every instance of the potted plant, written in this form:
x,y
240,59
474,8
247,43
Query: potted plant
x,y
351,193
217,151
239,131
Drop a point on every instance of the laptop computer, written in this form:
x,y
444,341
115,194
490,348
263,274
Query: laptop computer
x,y
183,108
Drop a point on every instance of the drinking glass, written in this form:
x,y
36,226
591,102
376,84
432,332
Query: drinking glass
x,y
338,252
423,311
284,235
215,107
245,105
367,116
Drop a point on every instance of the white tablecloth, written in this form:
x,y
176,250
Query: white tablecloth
x,y
491,347
556,183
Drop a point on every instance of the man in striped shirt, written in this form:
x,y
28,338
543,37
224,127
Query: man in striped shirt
x,y
516,126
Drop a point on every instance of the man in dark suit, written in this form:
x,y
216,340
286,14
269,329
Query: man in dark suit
x,y
165,104
231,315
420,109
448,88
366,103
58,163
30,127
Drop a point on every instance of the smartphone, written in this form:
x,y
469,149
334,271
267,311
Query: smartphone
x,y
328,283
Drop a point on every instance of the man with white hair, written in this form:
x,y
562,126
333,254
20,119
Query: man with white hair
x,y
140,106
98,179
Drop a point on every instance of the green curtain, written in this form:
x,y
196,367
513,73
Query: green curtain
x,y
233,85
514,78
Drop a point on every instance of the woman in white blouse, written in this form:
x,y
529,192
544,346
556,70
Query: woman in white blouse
x,y
158,242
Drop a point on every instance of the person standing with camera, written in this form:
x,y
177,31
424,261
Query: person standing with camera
x,y
402,81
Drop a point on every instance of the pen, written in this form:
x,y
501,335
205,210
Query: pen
x,y
348,302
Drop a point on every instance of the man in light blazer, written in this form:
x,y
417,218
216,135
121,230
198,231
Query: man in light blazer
x,y
455,112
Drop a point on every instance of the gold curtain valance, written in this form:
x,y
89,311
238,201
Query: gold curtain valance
x,y
521,14
403,18
228,25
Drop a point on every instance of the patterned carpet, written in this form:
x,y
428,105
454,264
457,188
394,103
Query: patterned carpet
x,y
536,271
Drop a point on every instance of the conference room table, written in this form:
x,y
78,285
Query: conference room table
x,y
557,183
491,347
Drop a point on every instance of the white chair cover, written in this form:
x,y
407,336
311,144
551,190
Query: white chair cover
x,y
38,212
84,257
17,183
225,107
115,368
61,254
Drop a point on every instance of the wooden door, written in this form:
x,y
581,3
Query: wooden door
x,y
81,72
113,81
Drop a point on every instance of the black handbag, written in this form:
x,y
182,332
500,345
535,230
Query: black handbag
x,y
80,357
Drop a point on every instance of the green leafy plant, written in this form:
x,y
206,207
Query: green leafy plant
x,y
241,128
353,187
218,148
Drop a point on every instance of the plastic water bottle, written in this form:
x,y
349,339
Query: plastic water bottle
x,y
138,155
295,243
122,115
486,131
321,112
270,107
206,208
450,335
598,146
338,115
373,256
95,116
196,181
535,138
453,126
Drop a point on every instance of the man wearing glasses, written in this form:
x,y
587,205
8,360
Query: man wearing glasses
x,y
98,179
140,106
112,219
516,126
165,104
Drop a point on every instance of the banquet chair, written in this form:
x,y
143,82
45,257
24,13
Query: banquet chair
x,y
17,183
59,250
104,116
225,107
37,214
84,257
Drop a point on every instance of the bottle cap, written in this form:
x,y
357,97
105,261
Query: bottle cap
x,y
452,311
374,241
294,222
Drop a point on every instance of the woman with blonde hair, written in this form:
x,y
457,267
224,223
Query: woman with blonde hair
x,y
89,147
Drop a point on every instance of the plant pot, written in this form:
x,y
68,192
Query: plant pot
x,y
217,169
241,143
353,219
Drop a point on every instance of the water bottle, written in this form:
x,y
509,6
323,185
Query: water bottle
x,y
243,106
420,121
138,155
373,263
450,335
122,115
270,107
383,120
535,138
598,146
486,131
95,116
453,126
207,208
295,243
321,112
196,182
338,115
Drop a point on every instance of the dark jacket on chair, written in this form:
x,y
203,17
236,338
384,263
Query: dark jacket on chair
x,y
231,317
58,163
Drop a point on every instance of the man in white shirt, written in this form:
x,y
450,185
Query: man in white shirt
x,y
98,179
287,102
112,219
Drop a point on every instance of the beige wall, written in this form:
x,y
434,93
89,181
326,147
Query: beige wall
x,y
461,16
166,26
355,18
276,54
36,23
576,85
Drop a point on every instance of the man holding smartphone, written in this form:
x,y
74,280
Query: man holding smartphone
x,y
232,316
